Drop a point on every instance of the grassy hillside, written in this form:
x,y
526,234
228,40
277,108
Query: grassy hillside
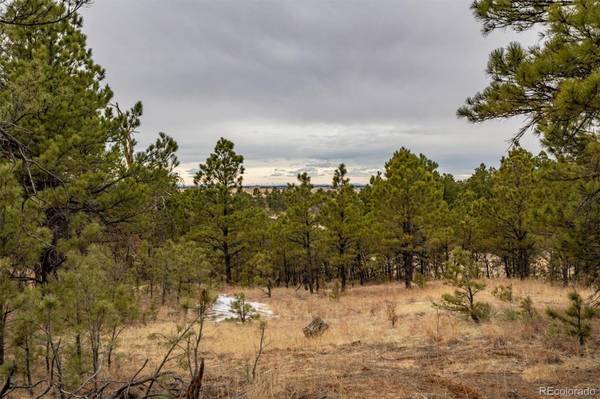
x,y
429,353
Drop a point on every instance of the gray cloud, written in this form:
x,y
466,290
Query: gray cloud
x,y
303,84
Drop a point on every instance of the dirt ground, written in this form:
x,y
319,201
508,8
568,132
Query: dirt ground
x,y
428,354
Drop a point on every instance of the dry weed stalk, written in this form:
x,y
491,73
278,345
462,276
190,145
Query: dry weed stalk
x,y
390,311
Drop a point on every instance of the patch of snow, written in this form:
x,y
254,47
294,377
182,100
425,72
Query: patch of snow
x,y
221,310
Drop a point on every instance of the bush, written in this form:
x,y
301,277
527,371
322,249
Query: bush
x,y
462,273
526,309
481,311
242,308
503,293
510,314
576,319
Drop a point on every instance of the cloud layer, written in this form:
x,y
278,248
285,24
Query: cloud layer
x,y
303,85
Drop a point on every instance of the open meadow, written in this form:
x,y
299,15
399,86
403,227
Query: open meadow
x,y
428,354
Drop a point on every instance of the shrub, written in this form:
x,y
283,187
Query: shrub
x,y
510,314
462,273
503,293
576,319
420,280
526,309
243,310
481,311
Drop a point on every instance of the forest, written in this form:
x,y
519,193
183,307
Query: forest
x,y
99,237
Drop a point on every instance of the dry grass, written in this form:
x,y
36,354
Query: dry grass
x,y
428,354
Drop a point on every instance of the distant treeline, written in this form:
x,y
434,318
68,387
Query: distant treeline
x,y
530,217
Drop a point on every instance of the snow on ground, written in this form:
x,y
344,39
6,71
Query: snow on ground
x,y
221,310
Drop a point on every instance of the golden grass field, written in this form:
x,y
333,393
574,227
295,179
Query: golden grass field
x,y
429,354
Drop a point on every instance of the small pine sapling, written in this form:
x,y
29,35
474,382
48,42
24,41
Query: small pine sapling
x,y
576,319
462,273
504,293
527,310
243,310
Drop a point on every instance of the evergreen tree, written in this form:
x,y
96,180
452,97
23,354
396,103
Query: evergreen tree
x,y
276,200
407,197
506,214
576,318
463,273
480,182
283,252
8,292
21,239
58,122
553,84
304,229
220,181
451,188
340,217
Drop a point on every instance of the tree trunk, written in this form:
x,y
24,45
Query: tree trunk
x,y
522,263
78,353
408,269
228,277
179,284
2,331
343,277
28,364
486,261
286,270
506,267
226,254
565,274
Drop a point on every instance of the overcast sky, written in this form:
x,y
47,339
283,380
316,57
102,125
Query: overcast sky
x,y
303,84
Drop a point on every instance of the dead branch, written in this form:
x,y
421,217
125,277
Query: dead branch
x,y
193,390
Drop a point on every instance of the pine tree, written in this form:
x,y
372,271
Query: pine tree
x,y
8,291
463,273
276,200
576,318
553,84
304,229
220,180
264,270
407,197
21,240
94,303
340,216
506,214
58,123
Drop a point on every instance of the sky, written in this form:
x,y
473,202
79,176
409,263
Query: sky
x,y
304,85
